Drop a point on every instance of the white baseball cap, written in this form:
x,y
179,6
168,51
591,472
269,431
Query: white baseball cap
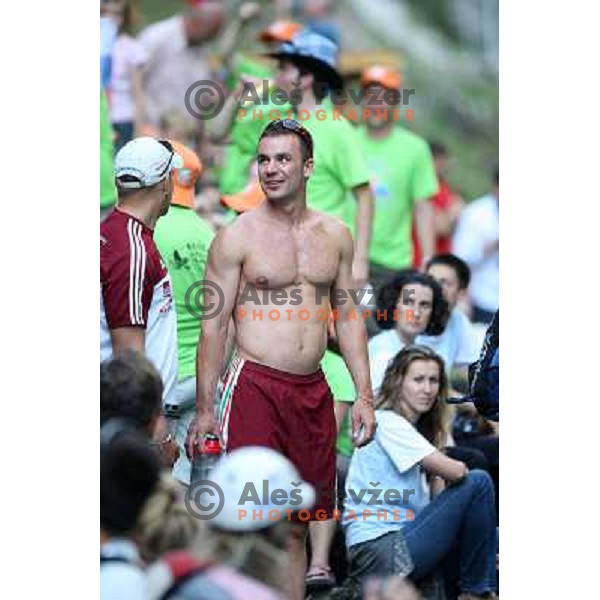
x,y
256,473
145,161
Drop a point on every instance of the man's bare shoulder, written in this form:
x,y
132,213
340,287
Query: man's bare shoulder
x,y
230,239
333,226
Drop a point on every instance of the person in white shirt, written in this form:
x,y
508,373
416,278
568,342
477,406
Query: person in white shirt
x,y
409,305
179,56
476,241
427,506
458,344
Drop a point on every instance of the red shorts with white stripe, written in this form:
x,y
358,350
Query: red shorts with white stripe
x,y
293,414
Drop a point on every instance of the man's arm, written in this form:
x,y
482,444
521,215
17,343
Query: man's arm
x,y
128,338
219,128
425,228
230,38
445,220
222,276
364,224
352,339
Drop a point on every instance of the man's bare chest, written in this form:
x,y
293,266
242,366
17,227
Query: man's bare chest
x,y
278,260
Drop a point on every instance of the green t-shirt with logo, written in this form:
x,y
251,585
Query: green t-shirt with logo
x,y
342,387
183,239
402,172
108,189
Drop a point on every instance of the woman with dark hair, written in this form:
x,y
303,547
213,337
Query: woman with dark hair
x,y
425,506
411,304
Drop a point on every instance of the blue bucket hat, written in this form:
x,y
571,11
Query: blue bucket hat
x,y
315,52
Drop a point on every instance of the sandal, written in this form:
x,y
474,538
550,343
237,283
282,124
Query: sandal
x,y
319,578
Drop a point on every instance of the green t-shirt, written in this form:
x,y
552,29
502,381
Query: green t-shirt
x,y
108,189
402,172
339,165
183,239
342,387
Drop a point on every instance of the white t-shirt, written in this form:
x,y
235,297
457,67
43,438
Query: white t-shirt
x,y
382,349
457,345
135,291
388,465
479,223
127,56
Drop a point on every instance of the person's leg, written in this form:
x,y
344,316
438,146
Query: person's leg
x,y
489,445
463,513
321,535
296,589
185,396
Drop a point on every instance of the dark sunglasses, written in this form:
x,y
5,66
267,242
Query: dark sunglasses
x,y
167,144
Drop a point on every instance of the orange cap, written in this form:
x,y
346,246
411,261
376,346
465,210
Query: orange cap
x,y
250,198
382,75
279,31
184,178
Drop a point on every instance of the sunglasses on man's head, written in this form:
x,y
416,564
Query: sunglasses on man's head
x,y
291,125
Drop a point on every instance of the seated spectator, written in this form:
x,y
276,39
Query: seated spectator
x,y
165,524
476,241
129,473
131,389
245,549
411,304
428,503
457,345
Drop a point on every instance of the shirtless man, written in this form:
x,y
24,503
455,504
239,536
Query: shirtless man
x,y
273,393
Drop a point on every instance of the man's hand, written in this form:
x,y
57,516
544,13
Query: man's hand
x,y
363,416
164,442
360,271
202,424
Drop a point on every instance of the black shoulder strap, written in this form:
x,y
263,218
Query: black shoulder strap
x,y
490,343
114,559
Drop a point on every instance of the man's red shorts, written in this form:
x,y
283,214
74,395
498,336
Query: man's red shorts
x,y
293,414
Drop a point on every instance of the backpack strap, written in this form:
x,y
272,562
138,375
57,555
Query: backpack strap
x,y
114,559
484,383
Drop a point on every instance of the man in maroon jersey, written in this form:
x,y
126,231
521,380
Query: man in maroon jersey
x,y
136,306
